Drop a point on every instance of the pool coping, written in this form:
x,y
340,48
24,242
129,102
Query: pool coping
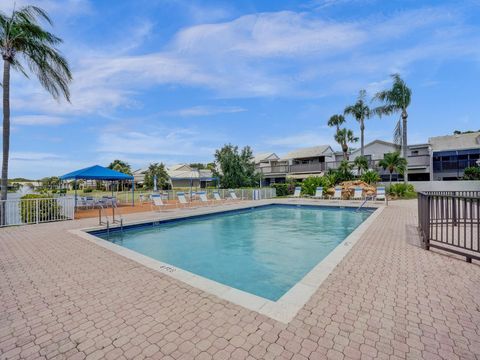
x,y
285,308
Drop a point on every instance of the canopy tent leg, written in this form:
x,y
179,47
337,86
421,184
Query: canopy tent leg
x,y
133,192
75,188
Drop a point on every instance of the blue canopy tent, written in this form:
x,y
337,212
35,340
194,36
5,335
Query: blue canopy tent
x,y
98,172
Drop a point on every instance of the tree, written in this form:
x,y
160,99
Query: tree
x,y
24,41
394,163
336,121
395,100
360,111
343,137
162,176
236,169
344,171
121,166
361,163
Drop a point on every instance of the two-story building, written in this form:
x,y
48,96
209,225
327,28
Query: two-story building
x,y
442,158
298,164
451,154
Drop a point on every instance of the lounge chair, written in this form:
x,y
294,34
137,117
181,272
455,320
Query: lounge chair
x,y
157,201
380,194
233,196
182,199
358,193
217,197
203,197
338,193
318,193
297,192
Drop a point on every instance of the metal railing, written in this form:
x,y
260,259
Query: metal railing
x,y
242,194
413,161
450,221
35,211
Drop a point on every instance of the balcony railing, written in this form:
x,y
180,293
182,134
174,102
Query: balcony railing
x,y
303,168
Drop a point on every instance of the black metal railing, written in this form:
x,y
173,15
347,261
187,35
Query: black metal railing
x,y
450,221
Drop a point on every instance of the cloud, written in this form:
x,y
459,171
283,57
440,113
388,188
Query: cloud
x,y
207,110
38,120
276,54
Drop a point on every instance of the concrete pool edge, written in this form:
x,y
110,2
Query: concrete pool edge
x,y
284,309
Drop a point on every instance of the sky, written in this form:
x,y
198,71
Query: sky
x,y
172,80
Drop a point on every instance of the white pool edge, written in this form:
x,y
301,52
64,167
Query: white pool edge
x,y
284,309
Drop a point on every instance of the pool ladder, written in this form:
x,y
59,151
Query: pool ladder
x,y
102,214
362,204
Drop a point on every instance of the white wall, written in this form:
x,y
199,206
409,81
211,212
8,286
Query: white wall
x,y
460,185
376,150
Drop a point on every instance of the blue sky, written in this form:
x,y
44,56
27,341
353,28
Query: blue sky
x,y
171,81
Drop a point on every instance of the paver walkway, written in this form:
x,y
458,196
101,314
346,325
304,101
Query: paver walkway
x,y
64,297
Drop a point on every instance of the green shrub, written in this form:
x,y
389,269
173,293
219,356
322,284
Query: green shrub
x,y
281,189
471,173
291,185
402,191
87,190
47,209
310,184
370,177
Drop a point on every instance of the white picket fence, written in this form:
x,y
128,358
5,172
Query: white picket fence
x,y
35,211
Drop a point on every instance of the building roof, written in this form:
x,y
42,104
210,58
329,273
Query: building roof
x,y
264,157
313,151
455,142
96,172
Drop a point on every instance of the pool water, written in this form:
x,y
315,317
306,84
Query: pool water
x,y
264,250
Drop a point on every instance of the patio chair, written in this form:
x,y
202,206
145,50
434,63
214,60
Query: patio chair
x,y
157,202
218,198
233,196
358,193
90,202
203,197
81,202
381,194
318,193
338,193
182,200
297,192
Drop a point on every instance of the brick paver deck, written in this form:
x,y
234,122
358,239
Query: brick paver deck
x,y
64,297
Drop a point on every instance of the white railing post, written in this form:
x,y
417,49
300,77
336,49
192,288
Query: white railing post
x,y
37,210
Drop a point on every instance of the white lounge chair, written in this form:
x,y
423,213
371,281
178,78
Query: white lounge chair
x,y
233,196
338,193
297,192
217,197
157,201
203,197
318,193
381,194
182,199
358,193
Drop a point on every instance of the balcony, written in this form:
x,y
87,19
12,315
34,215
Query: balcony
x,y
307,168
276,169
419,160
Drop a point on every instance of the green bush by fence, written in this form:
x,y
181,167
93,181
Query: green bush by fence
x,y
47,209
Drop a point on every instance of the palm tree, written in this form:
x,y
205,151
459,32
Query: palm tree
x,y
343,137
395,100
361,163
360,111
394,163
24,41
121,166
336,121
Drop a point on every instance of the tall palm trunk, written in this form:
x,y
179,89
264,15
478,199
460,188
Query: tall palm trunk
x,y
405,144
6,127
362,129
6,139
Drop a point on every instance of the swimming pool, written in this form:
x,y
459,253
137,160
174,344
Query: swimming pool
x,y
263,250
